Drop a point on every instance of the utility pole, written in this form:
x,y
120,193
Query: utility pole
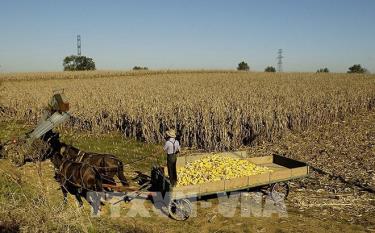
x,y
280,60
78,45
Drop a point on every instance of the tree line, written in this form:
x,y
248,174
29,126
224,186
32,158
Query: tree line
x,y
77,63
355,69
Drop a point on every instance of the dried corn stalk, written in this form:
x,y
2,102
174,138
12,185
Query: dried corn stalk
x,y
210,110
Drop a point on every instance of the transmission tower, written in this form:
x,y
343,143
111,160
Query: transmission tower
x,y
280,60
78,45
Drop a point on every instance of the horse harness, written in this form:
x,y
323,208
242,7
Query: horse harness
x,y
81,155
68,179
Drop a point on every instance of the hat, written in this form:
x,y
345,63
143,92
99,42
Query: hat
x,y
171,133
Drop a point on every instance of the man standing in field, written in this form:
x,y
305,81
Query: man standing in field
x,y
172,147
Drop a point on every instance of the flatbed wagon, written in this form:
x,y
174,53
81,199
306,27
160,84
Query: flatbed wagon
x,y
282,170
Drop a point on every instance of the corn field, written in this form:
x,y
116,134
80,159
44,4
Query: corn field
x,y
211,110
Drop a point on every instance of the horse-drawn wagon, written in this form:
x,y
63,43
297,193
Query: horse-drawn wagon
x,y
282,170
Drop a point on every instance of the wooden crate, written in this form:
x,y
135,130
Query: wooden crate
x,y
240,182
212,187
186,191
282,169
259,179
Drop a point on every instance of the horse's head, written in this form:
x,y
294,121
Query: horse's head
x,y
53,139
68,151
57,159
64,150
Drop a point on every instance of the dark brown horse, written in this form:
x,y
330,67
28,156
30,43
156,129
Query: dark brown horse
x,y
107,165
78,179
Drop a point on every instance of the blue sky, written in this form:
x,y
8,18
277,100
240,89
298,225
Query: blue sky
x,y
207,34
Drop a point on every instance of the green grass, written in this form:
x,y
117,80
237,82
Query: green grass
x,y
12,130
137,155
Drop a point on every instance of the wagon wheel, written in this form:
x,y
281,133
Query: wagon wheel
x,y
180,209
279,191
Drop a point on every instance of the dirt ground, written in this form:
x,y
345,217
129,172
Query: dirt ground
x,y
336,198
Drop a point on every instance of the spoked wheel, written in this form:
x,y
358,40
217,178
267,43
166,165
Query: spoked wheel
x,y
180,209
279,191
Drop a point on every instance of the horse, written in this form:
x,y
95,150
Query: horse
x,y
78,179
108,165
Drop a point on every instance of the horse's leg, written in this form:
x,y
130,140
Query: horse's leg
x,y
120,174
65,194
79,199
108,180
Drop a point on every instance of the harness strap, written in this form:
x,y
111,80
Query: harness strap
x,y
68,179
82,154
61,165
82,176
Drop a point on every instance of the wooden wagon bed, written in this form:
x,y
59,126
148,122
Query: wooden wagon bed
x,y
283,169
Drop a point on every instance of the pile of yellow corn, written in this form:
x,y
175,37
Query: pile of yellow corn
x,y
214,168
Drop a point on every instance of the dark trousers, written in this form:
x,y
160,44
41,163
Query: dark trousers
x,y
172,172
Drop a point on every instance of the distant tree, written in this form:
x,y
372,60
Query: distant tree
x,y
357,69
243,66
140,68
75,63
323,70
270,69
